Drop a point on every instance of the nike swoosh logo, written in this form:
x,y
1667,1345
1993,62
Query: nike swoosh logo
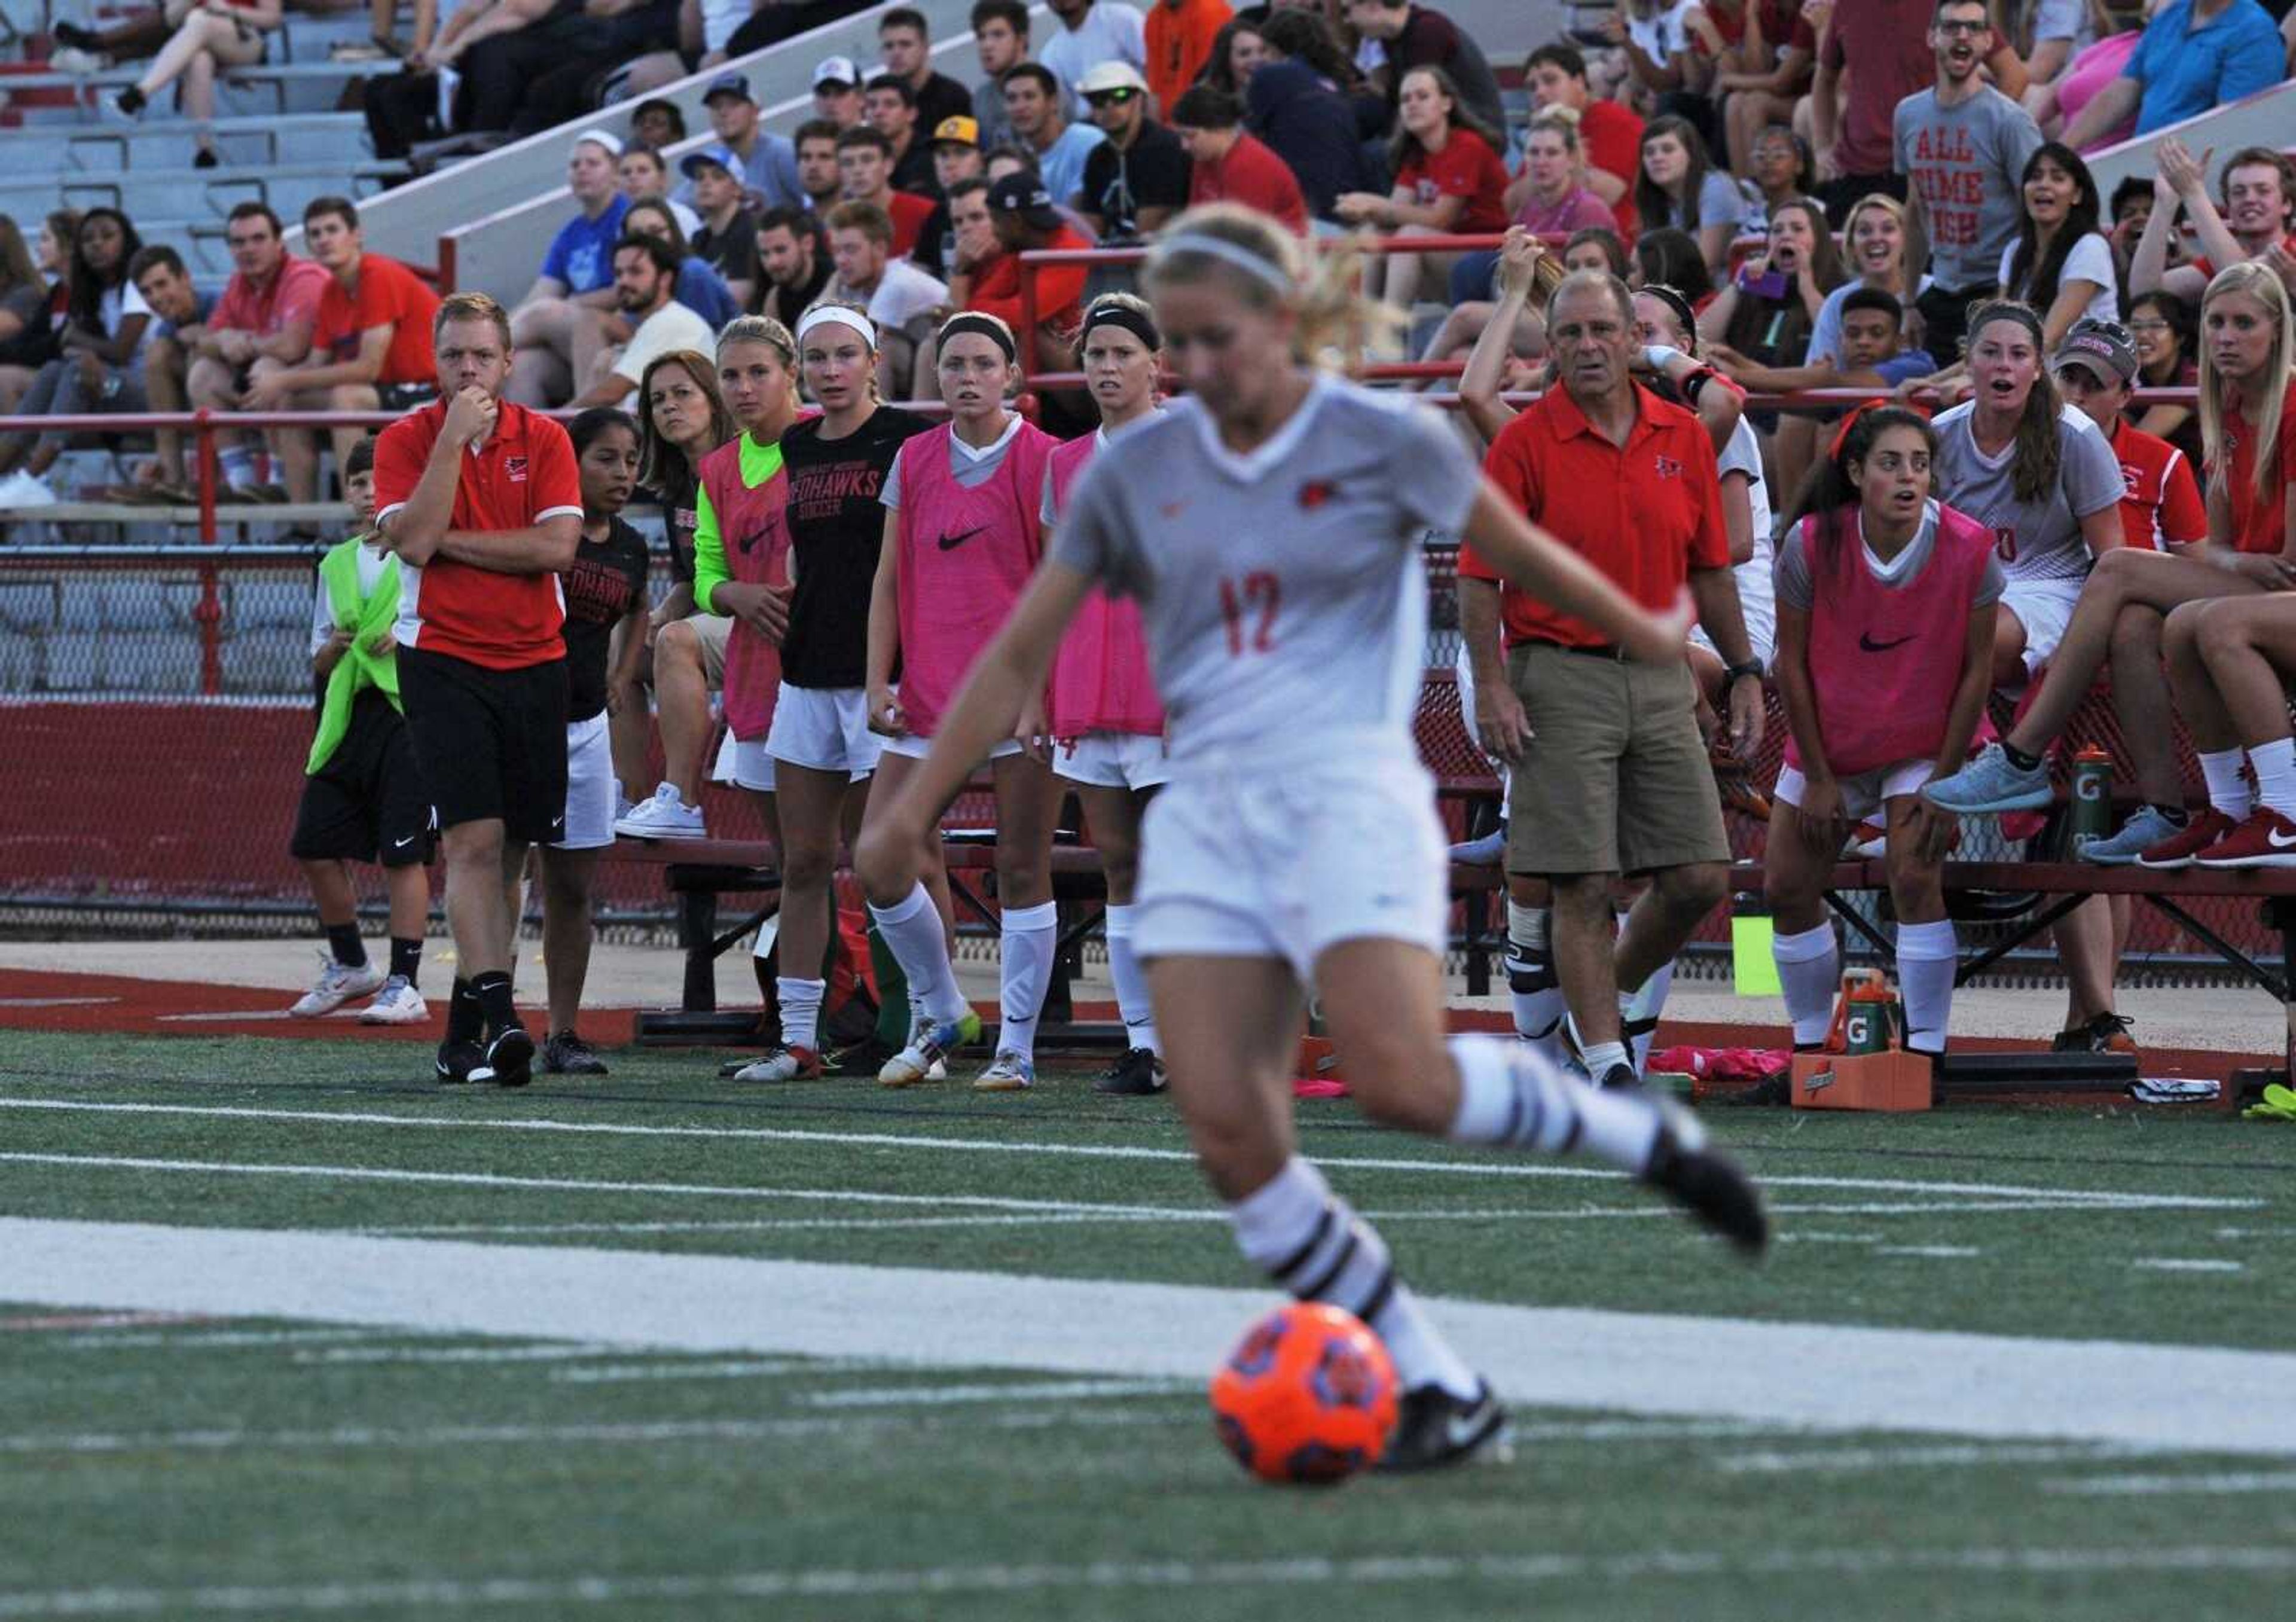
x,y
2277,842
1865,640
400,844
1463,1430
949,543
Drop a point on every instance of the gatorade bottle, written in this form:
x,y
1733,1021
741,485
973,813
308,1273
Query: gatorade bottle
x,y
1867,1024
2092,810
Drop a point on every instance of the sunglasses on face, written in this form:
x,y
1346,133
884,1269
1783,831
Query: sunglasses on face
x,y
1110,98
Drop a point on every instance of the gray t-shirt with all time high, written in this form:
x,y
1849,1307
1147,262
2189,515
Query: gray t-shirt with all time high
x,y
1964,164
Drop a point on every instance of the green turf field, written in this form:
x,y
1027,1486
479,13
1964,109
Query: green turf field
x,y
694,1455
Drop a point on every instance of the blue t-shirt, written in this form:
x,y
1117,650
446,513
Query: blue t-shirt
x,y
1062,164
1904,365
2185,73
582,254
202,306
701,290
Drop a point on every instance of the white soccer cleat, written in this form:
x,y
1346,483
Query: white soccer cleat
x,y
397,1004
926,1058
665,816
1010,1073
337,985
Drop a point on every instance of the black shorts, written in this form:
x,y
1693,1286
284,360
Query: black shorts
x,y
492,743
367,804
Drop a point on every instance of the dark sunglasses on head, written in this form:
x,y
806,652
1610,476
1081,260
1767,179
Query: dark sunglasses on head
x,y
1110,98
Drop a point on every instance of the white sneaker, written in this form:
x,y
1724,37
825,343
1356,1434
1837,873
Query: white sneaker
x,y
22,490
337,985
666,816
70,59
397,1004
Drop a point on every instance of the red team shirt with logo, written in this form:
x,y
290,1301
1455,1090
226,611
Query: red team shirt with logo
x,y
2163,507
1646,513
523,473
2259,522
1466,168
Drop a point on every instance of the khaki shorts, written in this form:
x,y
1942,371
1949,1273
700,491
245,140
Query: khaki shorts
x,y
712,629
1616,778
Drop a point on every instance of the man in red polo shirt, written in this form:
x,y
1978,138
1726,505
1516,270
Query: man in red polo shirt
x,y
1232,165
481,501
1611,775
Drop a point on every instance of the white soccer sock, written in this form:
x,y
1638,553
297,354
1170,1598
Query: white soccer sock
x,y
1927,957
2275,765
1639,1012
1809,972
1602,1058
911,931
2228,791
1534,989
1024,970
1311,1242
1131,983
1509,1095
800,1002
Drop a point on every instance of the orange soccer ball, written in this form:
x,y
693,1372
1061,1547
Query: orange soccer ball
x,y
1308,1397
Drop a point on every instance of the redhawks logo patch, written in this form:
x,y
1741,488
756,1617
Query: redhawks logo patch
x,y
1668,468
1315,493
514,469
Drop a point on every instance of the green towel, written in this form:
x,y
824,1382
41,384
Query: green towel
x,y
357,670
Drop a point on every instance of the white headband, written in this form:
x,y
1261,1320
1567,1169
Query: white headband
x,y
824,315
1233,253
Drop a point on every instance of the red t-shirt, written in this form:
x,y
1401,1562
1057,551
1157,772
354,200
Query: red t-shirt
x,y
1253,175
2259,522
294,293
909,212
1465,168
521,474
2163,506
389,295
1060,288
1180,40
2207,266
1646,513
1783,27
1611,137
1885,45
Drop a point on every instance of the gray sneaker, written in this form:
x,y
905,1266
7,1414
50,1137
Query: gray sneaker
x,y
1989,783
2144,830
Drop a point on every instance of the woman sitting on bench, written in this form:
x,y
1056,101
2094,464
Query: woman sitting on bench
x,y
1876,564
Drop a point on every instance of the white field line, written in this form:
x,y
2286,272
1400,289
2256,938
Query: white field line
x,y
232,1338
1943,1252
743,1367
2163,1487
1473,1168
419,1596
1077,1209
2195,1399
1863,1461
451,1355
1042,1391
2177,1263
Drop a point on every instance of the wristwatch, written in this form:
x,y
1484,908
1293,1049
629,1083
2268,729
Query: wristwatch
x,y
1734,672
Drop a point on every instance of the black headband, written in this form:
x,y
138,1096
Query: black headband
x,y
1117,315
2005,309
1679,305
993,330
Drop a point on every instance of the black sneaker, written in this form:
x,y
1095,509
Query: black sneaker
x,y
510,1059
863,1059
1705,1182
455,1061
1620,1078
565,1053
2106,1033
1139,1072
1436,1428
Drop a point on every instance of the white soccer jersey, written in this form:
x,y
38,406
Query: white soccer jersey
x,y
1283,591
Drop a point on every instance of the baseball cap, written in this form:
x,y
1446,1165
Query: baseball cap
x,y
1111,76
598,137
959,131
2103,347
836,71
1024,195
728,84
721,156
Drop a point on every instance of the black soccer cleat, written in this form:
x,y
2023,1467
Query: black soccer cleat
x,y
1137,1075
1705,1182
565,1053
1435,1430
510,1059
455,1060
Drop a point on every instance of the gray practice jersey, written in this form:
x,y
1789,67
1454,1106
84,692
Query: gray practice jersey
x,y
1283,591
2036,541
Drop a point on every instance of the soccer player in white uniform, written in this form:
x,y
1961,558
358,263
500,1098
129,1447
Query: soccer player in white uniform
x,y
1268,526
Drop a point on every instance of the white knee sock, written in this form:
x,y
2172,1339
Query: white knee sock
x,y
1927,956
1809,971
1131,983
1508,1095
1024,970
2228,791
1311,1242
911,931
800,1002
1639,1012
2275,765
1535,992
